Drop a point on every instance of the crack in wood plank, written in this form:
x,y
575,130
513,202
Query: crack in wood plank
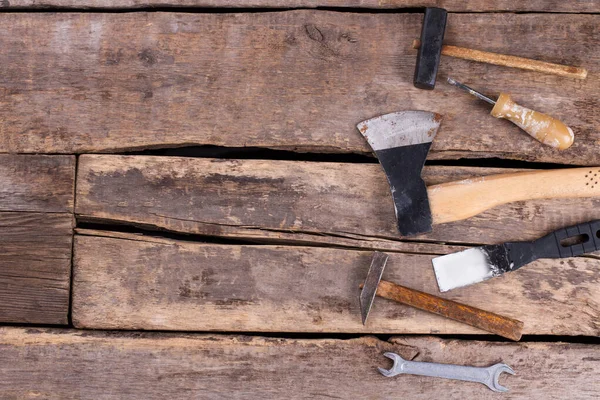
x,y
258,79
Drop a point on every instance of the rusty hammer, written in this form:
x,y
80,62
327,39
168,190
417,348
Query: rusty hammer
x,y
488,321
430,49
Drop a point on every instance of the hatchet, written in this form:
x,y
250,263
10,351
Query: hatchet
x,y
401,141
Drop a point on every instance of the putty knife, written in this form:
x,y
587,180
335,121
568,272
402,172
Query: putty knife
x,y
481,263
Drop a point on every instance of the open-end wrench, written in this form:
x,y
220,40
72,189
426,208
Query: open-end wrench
x,y
488,376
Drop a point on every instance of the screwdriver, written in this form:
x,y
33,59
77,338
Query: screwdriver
x,y
541,127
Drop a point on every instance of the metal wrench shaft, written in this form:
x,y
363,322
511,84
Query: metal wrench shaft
x,y
448,371
488,376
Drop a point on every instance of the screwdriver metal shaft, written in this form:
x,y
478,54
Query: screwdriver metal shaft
x,y
473,92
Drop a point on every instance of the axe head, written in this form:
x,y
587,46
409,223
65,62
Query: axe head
x,y
401,141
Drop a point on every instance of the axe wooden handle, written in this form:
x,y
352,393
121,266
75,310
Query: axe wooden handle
x,y
510,61
488,321
455,201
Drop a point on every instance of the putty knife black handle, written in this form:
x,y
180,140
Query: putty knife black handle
x,y
565,242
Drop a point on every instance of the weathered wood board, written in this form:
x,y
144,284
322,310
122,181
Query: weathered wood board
x,y
35,267
299,80
36,230
290,201
134,282
577,6
37,183
70,364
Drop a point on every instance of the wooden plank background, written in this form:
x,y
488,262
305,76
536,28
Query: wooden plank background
x,y
298,80
575,6
133,282
272,248
72,364
36,225
304,202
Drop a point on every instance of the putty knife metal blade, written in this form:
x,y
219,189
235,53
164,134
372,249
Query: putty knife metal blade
x,y
471,266
482,263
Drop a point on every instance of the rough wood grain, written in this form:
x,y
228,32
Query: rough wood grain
x,y
301,202
36,222
297,80
68,364
576,6
37,183
35,267
137,283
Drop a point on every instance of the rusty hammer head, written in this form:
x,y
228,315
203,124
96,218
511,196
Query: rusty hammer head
x,y
430,51
369,290
401,141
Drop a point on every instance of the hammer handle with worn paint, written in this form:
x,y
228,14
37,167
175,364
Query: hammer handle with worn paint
x,y
455,201
542,127
510,61
488,321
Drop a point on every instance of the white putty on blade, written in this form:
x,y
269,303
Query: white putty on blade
x,y
462,269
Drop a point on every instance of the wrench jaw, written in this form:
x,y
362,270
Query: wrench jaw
x,y
495,372
396,369
385,372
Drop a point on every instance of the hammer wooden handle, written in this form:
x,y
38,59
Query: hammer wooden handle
x,y
510,61
490,322
455,201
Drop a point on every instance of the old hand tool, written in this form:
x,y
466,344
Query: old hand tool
x,y
428,55
510,61
401,141
481,263
541,127
373,285
488,376
430,49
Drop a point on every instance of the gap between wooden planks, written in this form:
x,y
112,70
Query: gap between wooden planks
x,y
575,6
36,231
71,364
298,80
339,204
125,281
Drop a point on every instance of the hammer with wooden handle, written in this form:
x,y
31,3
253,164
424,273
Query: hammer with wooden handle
x,y
430,50
401,142
488,321
487,57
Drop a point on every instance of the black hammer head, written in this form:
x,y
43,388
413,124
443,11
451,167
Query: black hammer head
x,y
369,290
430,51
401,141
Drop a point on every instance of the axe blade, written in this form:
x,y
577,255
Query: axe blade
x,y
401,141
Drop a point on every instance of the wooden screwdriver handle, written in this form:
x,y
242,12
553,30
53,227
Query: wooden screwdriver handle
x,y
541,127
488,321
510,61
455,201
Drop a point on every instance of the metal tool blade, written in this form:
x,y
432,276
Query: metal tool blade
x,y
367,295
402,128
470,90
469,266
401,141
